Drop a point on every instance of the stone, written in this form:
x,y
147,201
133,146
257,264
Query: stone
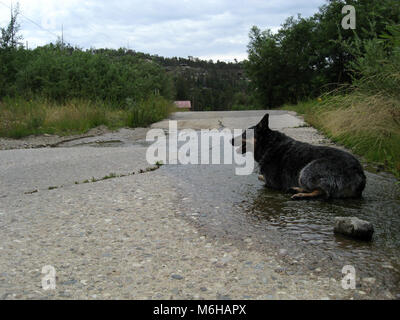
x,y
69,282
283,252
354,228
223,297
369,280
84,282
176,277
280,270
65,294
226,259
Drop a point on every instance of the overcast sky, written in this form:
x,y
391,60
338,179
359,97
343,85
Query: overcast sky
x,y
205,29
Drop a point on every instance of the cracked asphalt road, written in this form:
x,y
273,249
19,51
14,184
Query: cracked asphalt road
x,y
125,238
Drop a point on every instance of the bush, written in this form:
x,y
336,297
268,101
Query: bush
x,y
60,74
64,90
147,111
365,123
376,68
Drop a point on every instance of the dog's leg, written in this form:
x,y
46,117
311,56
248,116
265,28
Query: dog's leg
x,y
261,178
296,190
305,196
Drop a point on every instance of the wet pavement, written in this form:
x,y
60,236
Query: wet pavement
x,y
240,208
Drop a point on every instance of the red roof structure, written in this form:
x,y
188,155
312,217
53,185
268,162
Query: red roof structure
x,y
183,104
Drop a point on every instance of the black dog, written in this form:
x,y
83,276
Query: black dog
x,y
308,171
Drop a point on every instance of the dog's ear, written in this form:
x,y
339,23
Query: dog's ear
x,y
264,124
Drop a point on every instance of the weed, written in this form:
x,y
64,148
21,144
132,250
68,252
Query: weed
x,y
365,123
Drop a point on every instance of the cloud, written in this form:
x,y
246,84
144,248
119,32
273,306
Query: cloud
x,y
206,29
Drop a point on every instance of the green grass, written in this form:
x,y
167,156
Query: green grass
x,y
114,175
176,109
147,112
366,124
20,118
110,176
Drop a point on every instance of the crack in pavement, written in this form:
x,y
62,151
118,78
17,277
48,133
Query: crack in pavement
x,y
94,180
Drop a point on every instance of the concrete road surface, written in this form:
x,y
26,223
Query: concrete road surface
x,y
125,237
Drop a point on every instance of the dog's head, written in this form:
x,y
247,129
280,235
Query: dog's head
x,y
261,131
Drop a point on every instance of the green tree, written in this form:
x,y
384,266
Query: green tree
x,y
307,56
9,36
264,67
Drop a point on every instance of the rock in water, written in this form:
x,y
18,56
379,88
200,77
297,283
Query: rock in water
x,y
354,227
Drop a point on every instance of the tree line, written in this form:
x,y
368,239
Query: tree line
x,y
61,72
310,56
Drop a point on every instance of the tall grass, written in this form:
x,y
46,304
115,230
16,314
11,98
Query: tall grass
x,y
20,117
368,124
147,111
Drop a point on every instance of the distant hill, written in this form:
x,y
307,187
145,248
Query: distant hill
x,y
208,85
